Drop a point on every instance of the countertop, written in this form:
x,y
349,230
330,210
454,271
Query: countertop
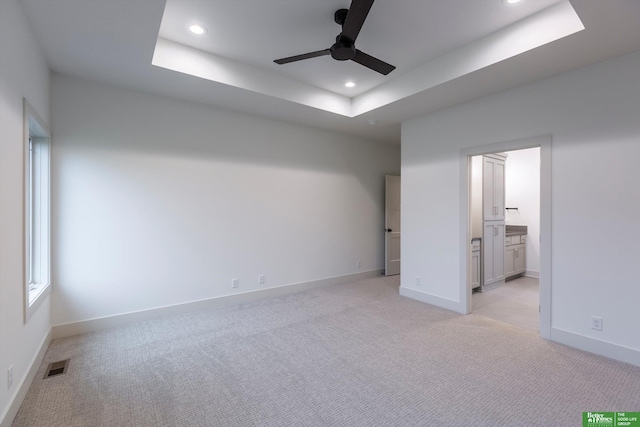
x,y
514,230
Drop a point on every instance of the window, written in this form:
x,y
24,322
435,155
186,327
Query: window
x,y
36,195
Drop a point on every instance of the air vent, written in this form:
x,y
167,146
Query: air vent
x,y
56,368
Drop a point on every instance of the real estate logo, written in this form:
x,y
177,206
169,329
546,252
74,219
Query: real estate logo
x,y
611,419
601,419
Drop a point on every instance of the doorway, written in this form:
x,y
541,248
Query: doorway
x,y
544,244
505,194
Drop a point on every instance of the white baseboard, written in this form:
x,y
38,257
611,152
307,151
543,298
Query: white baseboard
x,y
602,348
119,320
432,299
532,273
12,410
581,342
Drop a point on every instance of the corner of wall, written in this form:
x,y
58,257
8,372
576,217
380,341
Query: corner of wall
x,y
448,304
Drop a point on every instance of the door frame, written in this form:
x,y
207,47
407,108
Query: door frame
x,y
544,142
387,233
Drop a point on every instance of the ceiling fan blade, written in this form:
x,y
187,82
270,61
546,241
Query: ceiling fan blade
x,y
355,18
374,63
303,56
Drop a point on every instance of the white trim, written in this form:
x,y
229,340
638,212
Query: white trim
x,y
544,142
33,124
592,345
431,299
119,320
465,234
545,238
12,409
532,273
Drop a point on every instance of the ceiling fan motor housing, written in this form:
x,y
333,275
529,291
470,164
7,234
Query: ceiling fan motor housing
x,y
343,49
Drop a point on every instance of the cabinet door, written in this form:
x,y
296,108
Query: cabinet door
x,y
488,243
498,189
488,250
520,260
475,269
509,261
498,260
493,241
488,202
493,193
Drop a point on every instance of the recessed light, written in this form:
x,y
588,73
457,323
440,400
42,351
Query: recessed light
x,y
197,29
511,1
350,84
372,121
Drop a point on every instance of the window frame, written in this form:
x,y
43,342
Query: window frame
x,y
37,211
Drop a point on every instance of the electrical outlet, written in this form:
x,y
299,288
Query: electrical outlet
x,y
358,264
10,377
596,323
234,283
418,281
261,279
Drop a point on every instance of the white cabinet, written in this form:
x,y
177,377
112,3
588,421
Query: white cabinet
x,y
493,216
509,261
475,264
515,255
520,259
493,182
493,252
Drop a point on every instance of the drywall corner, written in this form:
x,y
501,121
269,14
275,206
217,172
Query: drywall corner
x,y
432,299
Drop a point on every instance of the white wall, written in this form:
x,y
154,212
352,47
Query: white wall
x,y
23,73
522,190
592,114
160,202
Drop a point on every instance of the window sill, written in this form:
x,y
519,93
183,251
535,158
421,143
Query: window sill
x,y
36,298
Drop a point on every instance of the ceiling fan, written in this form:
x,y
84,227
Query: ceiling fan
x,y
344,48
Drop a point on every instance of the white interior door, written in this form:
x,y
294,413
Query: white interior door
x,y
392,225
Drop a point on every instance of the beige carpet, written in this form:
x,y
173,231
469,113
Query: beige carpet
x,y
515,303
349,355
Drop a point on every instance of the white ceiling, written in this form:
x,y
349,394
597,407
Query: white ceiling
x,y
114,42
405,33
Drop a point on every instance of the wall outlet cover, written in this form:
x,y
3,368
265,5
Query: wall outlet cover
x,y
596,323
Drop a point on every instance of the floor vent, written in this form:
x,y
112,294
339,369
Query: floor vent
x,y
56,368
